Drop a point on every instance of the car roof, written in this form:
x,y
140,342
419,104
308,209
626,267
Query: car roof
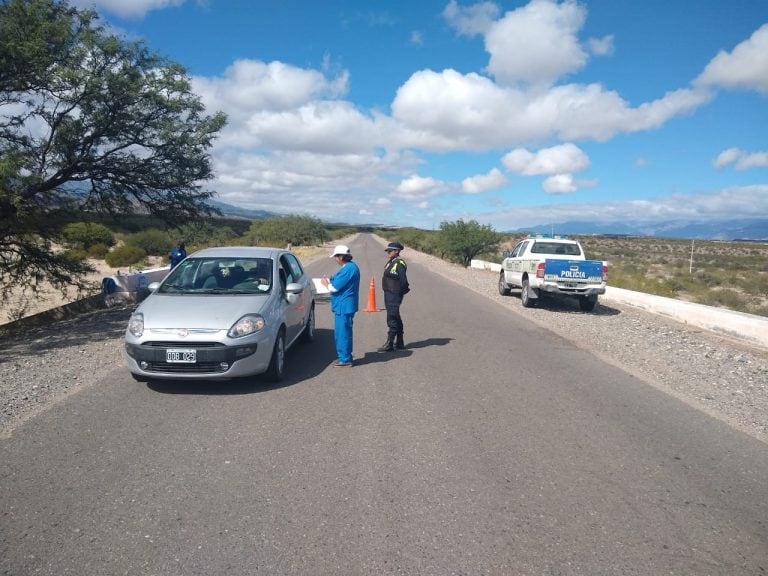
x,y
239,252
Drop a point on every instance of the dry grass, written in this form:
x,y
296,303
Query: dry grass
x,y
731,275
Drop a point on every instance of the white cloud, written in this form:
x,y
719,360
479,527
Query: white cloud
x,y
417,188
483,182
452,111
471,20
537,43
126,8
601,46
249,86
744,68
557,160
641,162
417,38
740,159
559,184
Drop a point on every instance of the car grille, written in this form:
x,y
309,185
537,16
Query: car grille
x,y
176,344
199,368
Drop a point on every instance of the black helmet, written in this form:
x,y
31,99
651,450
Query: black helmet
x,y
393,246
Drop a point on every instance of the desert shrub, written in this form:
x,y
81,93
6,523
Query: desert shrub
x,y
726,298
293,229
98,251
203,233
76,255
126,255
86,234
152,241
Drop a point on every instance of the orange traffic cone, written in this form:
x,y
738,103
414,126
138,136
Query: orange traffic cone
x,y
371,297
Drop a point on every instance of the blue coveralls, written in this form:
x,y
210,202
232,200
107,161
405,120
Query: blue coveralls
x,y
177,255
345,298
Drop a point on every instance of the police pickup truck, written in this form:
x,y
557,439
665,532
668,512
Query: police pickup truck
x,y
552,265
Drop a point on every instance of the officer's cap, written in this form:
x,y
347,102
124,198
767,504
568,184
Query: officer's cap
x,y
393,246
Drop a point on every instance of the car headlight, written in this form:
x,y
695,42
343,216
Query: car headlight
x,y
136,324
248,324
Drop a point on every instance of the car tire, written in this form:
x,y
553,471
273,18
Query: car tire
x,y
277,362
308,335
525,298
587,303
504,288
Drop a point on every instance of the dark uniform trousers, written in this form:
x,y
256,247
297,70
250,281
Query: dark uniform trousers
x,y
392,301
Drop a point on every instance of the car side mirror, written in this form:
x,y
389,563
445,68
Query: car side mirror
x,y
292,292
294,288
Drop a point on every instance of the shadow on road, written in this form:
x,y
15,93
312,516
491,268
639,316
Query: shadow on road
x,y
571,306
87,328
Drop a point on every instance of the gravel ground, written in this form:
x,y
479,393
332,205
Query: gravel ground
x,y
725,378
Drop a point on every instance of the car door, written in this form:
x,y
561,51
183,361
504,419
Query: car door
x,y
293,308
516,264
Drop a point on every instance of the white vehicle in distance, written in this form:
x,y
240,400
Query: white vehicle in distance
x,y
552,265
222,313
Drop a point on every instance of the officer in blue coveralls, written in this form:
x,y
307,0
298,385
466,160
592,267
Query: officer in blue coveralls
x,y
394,283
344,287
177,254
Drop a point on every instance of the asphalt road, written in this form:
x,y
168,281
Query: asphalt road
x,y
489,446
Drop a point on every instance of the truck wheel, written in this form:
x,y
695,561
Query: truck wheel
x,y
504,289
527,301
587,303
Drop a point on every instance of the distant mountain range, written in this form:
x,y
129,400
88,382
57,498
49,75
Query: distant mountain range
x,y
744,229
237,212
755,229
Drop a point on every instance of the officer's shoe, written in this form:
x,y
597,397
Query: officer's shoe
x,y
388,346
400,344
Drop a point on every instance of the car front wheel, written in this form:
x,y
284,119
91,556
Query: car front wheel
x,y
277,362
309,330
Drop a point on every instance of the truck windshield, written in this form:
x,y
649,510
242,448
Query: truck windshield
x,y
555,248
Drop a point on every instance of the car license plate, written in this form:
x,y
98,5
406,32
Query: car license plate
x,y
181,355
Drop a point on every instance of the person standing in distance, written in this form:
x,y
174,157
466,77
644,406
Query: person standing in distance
x,y
344,287
177,254
394,283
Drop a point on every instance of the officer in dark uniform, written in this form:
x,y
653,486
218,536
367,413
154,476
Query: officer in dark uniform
x,y
394,283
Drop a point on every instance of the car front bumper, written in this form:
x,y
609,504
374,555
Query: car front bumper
x,y
213,360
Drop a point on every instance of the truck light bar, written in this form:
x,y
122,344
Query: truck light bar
x,y
548,236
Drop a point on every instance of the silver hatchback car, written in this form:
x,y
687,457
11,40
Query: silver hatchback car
x,y
222,313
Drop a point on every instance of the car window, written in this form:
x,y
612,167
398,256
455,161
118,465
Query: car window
x,y
556,248
295,266
220,276
519,249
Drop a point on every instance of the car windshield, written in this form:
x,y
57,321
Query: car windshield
x,y
556,248
219,276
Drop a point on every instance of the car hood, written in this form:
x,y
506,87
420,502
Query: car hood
x,y
212,311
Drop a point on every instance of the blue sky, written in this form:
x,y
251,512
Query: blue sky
x,y
511,113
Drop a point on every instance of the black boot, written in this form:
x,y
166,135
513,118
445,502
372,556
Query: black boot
x,y
400,342
389,345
